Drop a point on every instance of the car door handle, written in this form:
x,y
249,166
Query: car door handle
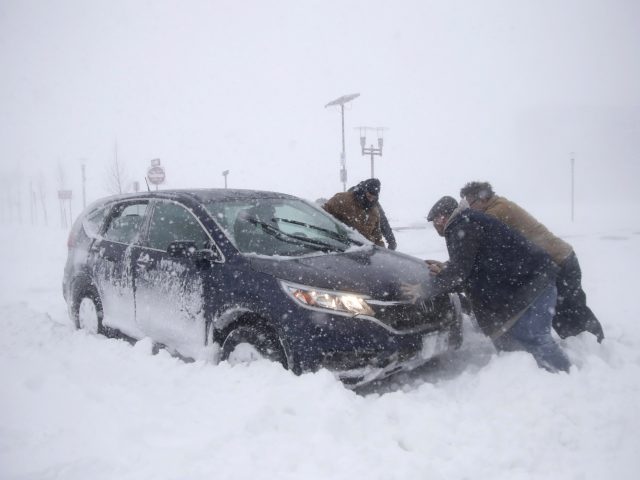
x,y
144,262
102,253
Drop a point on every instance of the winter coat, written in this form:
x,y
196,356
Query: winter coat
x,y
519,219
346,207
385,226
500,270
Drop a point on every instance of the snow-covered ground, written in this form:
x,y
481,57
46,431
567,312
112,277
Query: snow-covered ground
x,y
76,406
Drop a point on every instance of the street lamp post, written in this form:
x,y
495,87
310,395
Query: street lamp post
x,y
84,185
224,174
371,150
343,156
573,169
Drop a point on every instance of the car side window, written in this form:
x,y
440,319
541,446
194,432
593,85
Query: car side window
x,y
126,222
171,222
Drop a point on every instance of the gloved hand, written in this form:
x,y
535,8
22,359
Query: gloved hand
x,y
435,266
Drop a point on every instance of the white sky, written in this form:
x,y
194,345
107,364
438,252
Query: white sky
x,y
494,90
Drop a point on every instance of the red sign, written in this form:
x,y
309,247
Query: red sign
x,y
156,175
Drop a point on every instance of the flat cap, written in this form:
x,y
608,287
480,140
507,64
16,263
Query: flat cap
x,y
445,206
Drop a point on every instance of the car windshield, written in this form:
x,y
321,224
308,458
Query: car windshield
x,y
281,227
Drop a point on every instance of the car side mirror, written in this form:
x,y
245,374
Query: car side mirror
x,y
207,255
182,249
189,249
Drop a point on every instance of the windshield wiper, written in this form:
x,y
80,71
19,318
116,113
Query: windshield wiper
x,y
329,233
284,236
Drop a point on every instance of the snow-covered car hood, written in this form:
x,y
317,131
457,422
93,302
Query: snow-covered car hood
x,y
377,272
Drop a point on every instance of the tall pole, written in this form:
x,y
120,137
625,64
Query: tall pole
x,y
372,151
32,203
343,155
573,162
372,175
84,187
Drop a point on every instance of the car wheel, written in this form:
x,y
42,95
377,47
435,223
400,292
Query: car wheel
x,y
89,312
246,344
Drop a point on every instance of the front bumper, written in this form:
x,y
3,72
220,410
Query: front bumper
x,y
433,345
362,349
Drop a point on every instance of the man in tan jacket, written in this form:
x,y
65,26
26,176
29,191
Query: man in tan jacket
x,y
358,208
572,316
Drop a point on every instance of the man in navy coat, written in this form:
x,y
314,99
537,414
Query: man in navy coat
x,y
509,281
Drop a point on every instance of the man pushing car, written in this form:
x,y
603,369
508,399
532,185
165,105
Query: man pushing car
x,y
509,281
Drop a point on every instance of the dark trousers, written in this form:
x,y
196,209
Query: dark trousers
x,y
572,314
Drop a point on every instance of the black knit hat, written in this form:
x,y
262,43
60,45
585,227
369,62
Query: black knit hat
x,y
445,206
371,185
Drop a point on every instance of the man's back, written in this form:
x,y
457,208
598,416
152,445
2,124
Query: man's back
x,y
519,219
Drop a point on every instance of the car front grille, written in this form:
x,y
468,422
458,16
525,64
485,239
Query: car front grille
x,y
434,314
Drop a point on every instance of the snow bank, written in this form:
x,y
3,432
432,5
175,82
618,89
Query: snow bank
x,y
77,406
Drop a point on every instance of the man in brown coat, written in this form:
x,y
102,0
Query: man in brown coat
x,y
572,316
358,208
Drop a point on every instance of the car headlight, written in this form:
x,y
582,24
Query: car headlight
x,y
311,297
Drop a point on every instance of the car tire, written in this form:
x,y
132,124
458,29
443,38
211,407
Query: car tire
x,y
88,313
246,344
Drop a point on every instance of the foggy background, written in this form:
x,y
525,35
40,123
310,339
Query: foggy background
x,y
492,90
495,90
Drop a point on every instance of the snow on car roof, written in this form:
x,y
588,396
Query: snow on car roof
x,y
200,194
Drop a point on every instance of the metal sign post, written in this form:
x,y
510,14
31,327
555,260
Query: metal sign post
x,y
84,186
65,196
156,173
573,168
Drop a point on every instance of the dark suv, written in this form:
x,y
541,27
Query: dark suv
x,y
239,274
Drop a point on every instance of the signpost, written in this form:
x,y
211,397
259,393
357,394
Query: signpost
x,y
65,197
155,173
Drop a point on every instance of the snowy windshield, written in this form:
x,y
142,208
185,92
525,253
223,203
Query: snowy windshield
x,y
281,227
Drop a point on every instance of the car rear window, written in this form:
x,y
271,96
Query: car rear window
x,y
87,227
92,222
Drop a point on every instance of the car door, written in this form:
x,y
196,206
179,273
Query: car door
x,y
110,261
170,288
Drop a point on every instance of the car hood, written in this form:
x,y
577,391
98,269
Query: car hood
x,y
374,271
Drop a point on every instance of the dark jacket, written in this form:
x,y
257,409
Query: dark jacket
x,y
500,270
